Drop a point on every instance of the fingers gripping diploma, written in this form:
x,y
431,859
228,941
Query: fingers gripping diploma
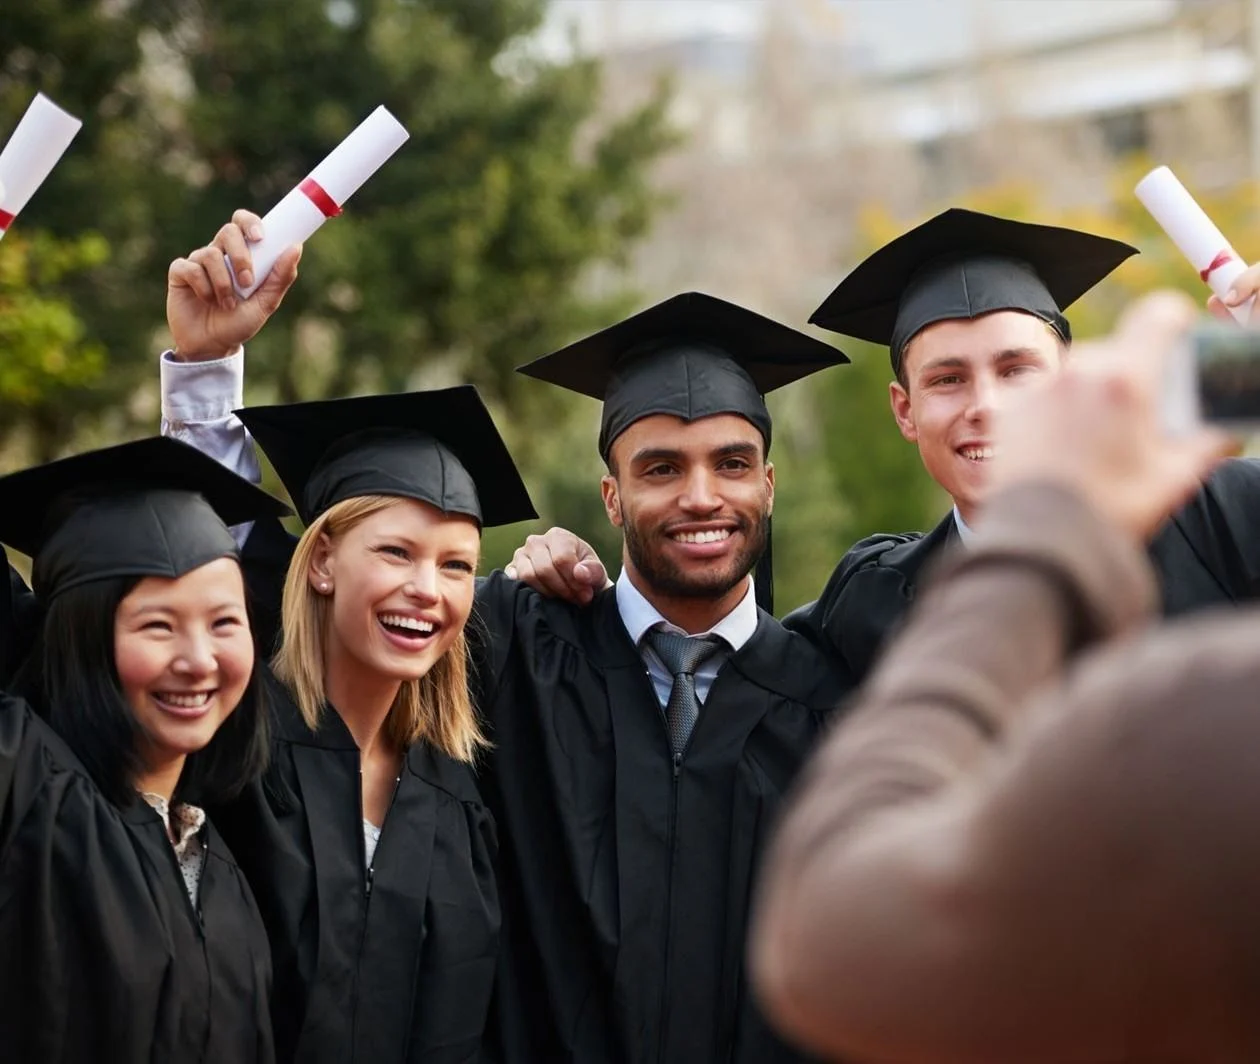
x,y
1098,427
1243,290
206,317
559,565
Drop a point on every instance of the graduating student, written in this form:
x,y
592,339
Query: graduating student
x,y
971,309
628,839
129,933
643,743
367,844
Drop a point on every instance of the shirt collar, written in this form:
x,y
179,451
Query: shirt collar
x,y
182,820
638,615
964,530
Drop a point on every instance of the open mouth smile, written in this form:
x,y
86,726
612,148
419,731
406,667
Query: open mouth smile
x,y
411,633
716,535
183,703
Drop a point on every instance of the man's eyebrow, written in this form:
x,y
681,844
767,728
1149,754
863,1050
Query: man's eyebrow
x,y
944,362
959,362
656,454
735,450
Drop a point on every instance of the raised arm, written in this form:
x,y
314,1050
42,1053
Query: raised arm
x,y
203,373
203,383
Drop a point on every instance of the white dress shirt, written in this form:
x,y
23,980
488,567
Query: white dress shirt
x,y
197,403
964,530
639,615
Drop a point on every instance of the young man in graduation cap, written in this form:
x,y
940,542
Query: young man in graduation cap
x,y
641,743
671,714
971,307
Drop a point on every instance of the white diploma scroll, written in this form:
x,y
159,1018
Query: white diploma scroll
x,y
1193,232
324,191
41,138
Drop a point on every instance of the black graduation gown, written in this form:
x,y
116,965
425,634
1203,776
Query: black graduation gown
x,y
394,967
1208,554
625,878
103,955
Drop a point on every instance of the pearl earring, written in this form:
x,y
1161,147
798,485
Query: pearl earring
x,y
323,586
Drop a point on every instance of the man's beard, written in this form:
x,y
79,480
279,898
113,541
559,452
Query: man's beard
x,y
667,578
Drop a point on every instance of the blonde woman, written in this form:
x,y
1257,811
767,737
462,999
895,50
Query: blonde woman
x,y
367,845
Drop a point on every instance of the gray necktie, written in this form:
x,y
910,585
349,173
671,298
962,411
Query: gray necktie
x,y
682,655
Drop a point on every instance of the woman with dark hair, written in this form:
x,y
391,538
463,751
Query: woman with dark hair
x,y
128,931
368,844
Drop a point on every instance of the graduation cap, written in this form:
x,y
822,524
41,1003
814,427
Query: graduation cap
x,y
962,264
440,447
692,356
153,507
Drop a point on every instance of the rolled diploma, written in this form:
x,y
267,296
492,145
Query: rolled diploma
x,y
41,138
296,217
1189,227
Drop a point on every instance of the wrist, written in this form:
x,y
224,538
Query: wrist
x,y
202,353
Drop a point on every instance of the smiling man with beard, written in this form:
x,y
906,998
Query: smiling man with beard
x,y
643,742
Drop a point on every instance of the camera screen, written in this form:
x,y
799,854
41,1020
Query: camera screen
x,y
1228,365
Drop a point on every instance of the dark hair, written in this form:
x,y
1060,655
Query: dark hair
x,y
71,677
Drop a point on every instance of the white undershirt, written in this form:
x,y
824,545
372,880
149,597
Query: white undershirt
x,y
964,530
371,836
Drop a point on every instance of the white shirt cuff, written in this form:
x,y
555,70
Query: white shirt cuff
x,y
202,391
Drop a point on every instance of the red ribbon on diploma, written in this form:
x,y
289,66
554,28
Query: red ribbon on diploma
x,y
314,192
1222,257
6,220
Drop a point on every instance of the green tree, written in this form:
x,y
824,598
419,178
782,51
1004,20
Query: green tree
x,y
46,346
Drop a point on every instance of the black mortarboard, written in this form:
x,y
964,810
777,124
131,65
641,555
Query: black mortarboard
x,y
692,356
962,264
153,507
440,447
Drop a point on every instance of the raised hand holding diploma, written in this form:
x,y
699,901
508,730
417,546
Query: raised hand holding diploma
x,y
206,318
325,191
1198,239
41,138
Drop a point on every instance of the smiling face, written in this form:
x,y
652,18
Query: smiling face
x,y
184,656
401,587
957,375
693,500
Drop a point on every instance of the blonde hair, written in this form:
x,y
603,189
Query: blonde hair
x,y
436,707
